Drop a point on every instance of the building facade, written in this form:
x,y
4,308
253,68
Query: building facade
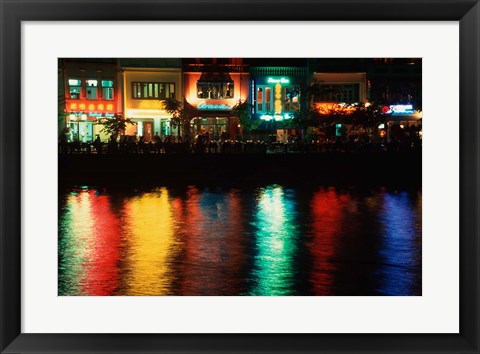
x,y
276,97
212,88
339,93
145,89
91,91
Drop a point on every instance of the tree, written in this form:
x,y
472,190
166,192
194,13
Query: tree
x,y
115,126
242,113
302,120
181,115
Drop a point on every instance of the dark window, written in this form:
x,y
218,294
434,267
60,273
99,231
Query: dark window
x,y
337,93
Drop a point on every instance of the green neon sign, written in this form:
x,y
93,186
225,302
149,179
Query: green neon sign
x,y
282,80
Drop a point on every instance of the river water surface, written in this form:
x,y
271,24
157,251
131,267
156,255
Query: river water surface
x,y
271,240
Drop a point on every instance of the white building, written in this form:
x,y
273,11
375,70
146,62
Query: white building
x,y
144,90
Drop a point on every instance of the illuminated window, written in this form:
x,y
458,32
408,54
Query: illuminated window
x,y
153,90
264,99
75,89
276,98
107,90
268,99
290,97
91,88
260,99
215,90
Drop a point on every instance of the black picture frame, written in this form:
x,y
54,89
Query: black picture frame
x,y
467,12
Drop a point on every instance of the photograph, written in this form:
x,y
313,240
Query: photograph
x,y
254,176
239,176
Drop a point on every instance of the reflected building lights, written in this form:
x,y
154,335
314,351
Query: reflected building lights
x,y
400,249
271,241
275,240
151,243
327,211
75,226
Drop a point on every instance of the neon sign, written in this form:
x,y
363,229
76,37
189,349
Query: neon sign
x,y
100,115
277,117
400,109
282,80
216,107
253,96
74,106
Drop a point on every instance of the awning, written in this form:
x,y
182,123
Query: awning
x,y
415,117
214,77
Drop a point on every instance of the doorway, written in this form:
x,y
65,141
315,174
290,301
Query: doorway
x,y
147,131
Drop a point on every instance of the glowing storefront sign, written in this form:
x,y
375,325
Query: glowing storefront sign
x,y
74,106
277,117
214,106
146,113
101,115
282,80
83,116
278,98
400,109
253,96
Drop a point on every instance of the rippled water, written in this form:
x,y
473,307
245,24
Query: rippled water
x,y
265,241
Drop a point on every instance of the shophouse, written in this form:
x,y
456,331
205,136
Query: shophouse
x,y
91,92
396,87
212,89
147,83
339,93
276,97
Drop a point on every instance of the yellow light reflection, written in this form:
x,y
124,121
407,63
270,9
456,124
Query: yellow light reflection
x,y
151,244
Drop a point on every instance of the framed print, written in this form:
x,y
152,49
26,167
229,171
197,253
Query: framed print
x,y
239,176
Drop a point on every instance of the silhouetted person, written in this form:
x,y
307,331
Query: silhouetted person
x,y
63,142
157,143
98,144
141,145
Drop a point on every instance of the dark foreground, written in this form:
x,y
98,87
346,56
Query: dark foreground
x,y
377,168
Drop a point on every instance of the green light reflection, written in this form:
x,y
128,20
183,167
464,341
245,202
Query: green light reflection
x,y
275,237
74,227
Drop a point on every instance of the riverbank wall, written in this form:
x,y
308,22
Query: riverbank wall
x,y
379,168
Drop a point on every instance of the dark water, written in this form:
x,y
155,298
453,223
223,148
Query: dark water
x,y
259,241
